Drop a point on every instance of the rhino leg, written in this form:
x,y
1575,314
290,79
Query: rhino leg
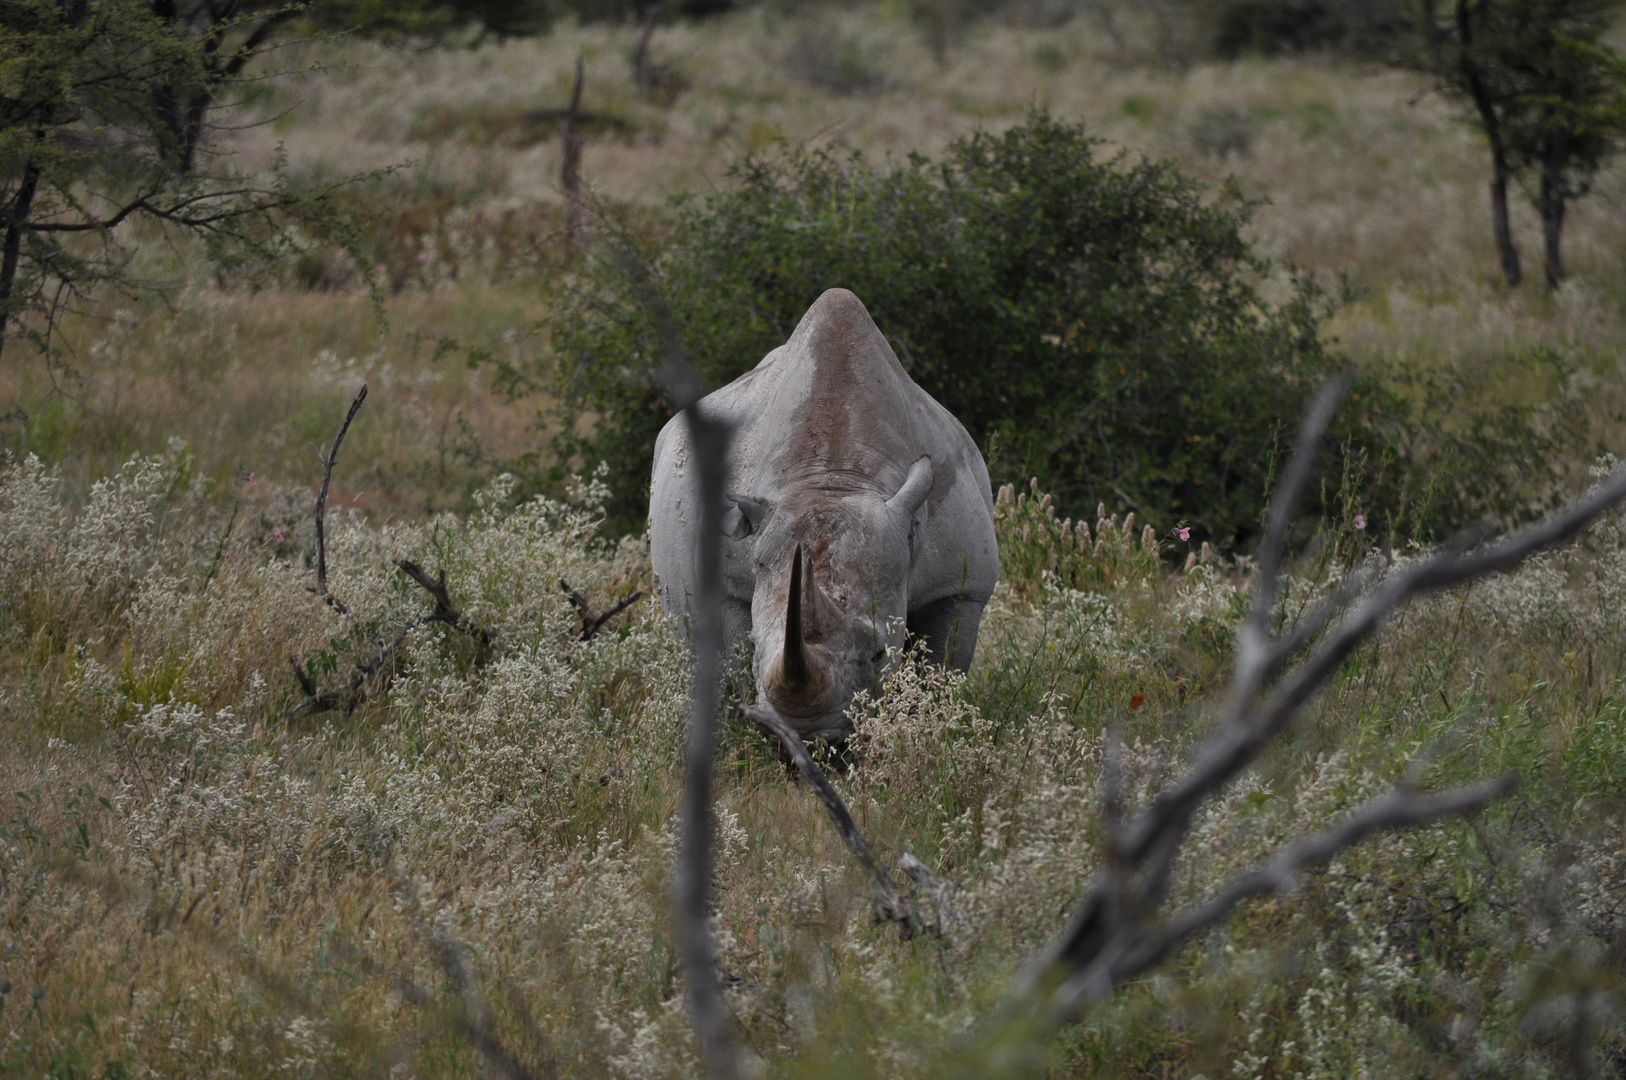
x,y
950,627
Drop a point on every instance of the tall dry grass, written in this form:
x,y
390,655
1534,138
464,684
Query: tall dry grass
x,y
193,883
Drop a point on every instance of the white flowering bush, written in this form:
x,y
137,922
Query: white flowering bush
x,y
198,878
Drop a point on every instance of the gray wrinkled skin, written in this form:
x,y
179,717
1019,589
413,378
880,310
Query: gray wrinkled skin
x,y
836,453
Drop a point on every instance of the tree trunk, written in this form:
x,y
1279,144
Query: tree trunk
x,y
1551,203
1488,119
11,249
643,72
1504,235
570,168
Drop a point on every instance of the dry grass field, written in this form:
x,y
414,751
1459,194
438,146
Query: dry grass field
x,y
194,882
1363,173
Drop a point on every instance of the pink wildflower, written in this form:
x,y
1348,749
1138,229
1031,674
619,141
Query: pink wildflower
x,y
251,478
423,256
276,534
1183,532
1360,522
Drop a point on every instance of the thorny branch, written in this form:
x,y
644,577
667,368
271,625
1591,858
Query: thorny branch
x,y
1116,932
592,624
889,905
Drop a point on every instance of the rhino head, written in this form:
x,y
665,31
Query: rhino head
x,y
831,593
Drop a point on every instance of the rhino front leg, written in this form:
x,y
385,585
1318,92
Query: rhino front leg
x,y
950,627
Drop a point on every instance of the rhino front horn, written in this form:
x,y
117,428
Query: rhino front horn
x,y
795,666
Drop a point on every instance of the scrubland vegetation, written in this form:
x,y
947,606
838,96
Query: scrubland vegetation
x,y
195,883
192,881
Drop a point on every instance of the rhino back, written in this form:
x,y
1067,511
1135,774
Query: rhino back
x,y
831,412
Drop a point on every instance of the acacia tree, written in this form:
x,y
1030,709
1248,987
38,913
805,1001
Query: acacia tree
x,y
1544,88
99,126
104,124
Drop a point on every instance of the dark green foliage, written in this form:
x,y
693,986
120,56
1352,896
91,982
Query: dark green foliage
x,y
427,18
102,110
1269,27
1545,87
1094,322
501,18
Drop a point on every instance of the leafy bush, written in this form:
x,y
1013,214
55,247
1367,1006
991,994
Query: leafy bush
x,y
1095,321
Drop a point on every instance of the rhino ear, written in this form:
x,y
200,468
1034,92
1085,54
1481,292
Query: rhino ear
x,y
914,490
743,516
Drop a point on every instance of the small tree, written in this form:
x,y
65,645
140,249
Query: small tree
x,y
1548,93
101,113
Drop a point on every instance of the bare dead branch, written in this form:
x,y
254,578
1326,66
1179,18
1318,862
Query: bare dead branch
x,y
1255,631
321,504
380,667
707,1009
643,72
445,611
474,1021
708,435
1396,809
889,905
592,624
1116,932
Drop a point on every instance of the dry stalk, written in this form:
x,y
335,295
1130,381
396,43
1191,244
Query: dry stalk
x,y
321,504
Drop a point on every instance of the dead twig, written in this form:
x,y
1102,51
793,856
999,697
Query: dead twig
x,y
321,505
592,624
889,905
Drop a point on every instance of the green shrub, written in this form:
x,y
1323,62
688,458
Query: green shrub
x,y
1360,27
1095,321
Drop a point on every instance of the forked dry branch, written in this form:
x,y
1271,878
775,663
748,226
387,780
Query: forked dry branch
x,y
1119,929
592,624
378,669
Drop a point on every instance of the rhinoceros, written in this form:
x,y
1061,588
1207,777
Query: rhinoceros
x,y
859,511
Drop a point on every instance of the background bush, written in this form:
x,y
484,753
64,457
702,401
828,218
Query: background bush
x,y
1094,321
1097,322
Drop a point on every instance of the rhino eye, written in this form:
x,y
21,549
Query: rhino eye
x,y
880,655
